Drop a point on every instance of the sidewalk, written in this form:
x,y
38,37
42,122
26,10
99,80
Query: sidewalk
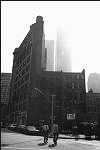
x,y
70,136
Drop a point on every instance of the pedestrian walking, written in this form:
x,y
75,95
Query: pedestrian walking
x,y
97,130
45,132
55,133
88,131
75,131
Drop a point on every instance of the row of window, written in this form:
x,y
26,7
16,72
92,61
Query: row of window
x,y
94,102
20,90
19,107
23,80
23,65
24,54
70,85
19,97
75,96
25,70
70,76
93,97
93,109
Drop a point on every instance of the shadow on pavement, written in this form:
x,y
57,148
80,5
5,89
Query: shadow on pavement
x,y
52,145
41,144
3,145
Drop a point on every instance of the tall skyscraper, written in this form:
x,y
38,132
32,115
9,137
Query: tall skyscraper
x,y
63,56
49,44
94,82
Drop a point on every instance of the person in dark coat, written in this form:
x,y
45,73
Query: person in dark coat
x,y
75,131
45,132
55,132
97,131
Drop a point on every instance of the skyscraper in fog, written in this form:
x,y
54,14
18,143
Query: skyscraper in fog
x,y
94,82
49,44
63,58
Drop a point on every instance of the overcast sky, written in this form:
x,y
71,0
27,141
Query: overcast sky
x,y
79,20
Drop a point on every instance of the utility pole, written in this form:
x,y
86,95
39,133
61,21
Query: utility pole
x,y
52,107
52,115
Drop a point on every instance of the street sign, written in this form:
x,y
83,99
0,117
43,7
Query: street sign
x,y
70,116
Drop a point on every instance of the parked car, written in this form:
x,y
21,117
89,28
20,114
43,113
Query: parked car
x,y
12,127
32,130
66,132
96,128
21,129
3,125
88,130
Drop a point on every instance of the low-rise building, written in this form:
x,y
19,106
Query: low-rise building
x,y
93,105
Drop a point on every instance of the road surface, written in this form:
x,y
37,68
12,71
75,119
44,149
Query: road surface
x,y
16,141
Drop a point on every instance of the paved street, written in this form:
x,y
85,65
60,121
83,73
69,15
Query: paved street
x,y
15,141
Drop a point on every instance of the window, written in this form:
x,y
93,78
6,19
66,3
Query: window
x,y
20,68
80,76
27,77
20,106
16,107
18,83
88,108
69,96
77,76
24,63
69,85
16,78
27,68
28,59
75,85
17,71
26,86
18,91
22,89
15,85
21,97
65,105
24,105
22,80
29,49
80,86
75,96
23,72
19,75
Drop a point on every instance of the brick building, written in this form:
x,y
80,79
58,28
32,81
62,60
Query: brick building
x,y
93,106
28,106
5,91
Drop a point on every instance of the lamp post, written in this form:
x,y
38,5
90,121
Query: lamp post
x,y
50,103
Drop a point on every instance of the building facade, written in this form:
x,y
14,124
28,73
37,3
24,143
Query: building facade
x,y
49,44
93,106
5,91
94,82
73,98
27,105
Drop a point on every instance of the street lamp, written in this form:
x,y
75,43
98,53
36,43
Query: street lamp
x,y
51,107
